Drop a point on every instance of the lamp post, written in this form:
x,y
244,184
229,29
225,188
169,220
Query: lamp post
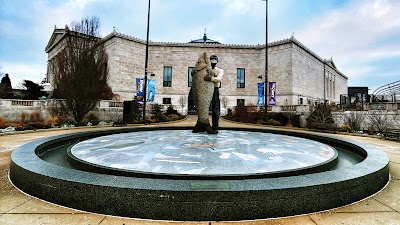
x,y
146,66
266,62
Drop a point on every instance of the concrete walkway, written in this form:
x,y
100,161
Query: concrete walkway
x,y
19,208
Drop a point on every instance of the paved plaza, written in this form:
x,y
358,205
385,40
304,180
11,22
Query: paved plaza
x,y
19,208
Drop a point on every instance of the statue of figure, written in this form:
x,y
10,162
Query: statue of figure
x,y
202,94
215,77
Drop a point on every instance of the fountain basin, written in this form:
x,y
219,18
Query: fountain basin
x,y
201,199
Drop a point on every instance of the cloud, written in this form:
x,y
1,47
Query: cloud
x,y
20,71
26,27
359,34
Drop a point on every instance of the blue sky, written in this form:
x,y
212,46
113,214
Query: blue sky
x,y
362,36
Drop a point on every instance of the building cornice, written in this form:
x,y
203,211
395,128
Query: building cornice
x,y
329,63
180,44
53,41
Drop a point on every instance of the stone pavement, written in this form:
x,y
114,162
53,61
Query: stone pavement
x,y
19,208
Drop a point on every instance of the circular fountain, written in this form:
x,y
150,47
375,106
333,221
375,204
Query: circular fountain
x,y
169,173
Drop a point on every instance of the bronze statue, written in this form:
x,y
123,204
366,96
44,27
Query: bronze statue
x,y
202,93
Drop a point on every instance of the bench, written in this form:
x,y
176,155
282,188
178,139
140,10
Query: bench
x,y
393,134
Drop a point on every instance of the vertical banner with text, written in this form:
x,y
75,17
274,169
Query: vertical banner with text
x,y
151,90
139,89
260,100
271,93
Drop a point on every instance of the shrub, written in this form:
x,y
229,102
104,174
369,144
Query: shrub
x,y
323,126
150,120
119,123
346,128
92,118
37,125
52,121
157,115
24,115
3,123
261,121
16,125
229,114
269,122
273,122
35,117
173,117
171,110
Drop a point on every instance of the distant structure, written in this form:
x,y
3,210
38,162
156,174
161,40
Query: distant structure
x,y
387,93
355,99
302,77
205,40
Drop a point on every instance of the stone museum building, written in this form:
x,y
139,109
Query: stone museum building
x,y
302,77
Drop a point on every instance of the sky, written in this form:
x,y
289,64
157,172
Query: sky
x,y
361,36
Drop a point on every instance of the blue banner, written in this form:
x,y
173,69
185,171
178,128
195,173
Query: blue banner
x,y
260,100
139,89
151,90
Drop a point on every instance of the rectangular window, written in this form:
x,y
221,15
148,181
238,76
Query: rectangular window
x,y
190,80
240,78
167,78
166,101
301,101
240,102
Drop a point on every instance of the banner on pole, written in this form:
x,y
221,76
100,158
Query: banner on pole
x,y
271,93
139,89
260,101
151,90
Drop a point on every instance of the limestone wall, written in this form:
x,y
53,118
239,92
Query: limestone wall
x,y
12,109
280,71
126,60
125,63
298,72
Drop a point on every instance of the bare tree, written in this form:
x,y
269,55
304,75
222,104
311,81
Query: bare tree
x,y
321,118
80,69
182,101
224,101
380,120
396,120
289,115
113,115
354,119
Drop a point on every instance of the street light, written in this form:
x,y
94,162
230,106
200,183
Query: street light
x,y
145,66
266,62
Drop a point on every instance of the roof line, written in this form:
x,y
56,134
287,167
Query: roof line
x,y
292,39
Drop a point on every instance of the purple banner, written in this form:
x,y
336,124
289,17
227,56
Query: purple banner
x,y
271,93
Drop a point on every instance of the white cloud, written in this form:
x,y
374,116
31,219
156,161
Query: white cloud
x,y
24,71
358,25
81,4
357,35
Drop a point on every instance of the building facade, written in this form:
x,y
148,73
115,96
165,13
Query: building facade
x,y
302,77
